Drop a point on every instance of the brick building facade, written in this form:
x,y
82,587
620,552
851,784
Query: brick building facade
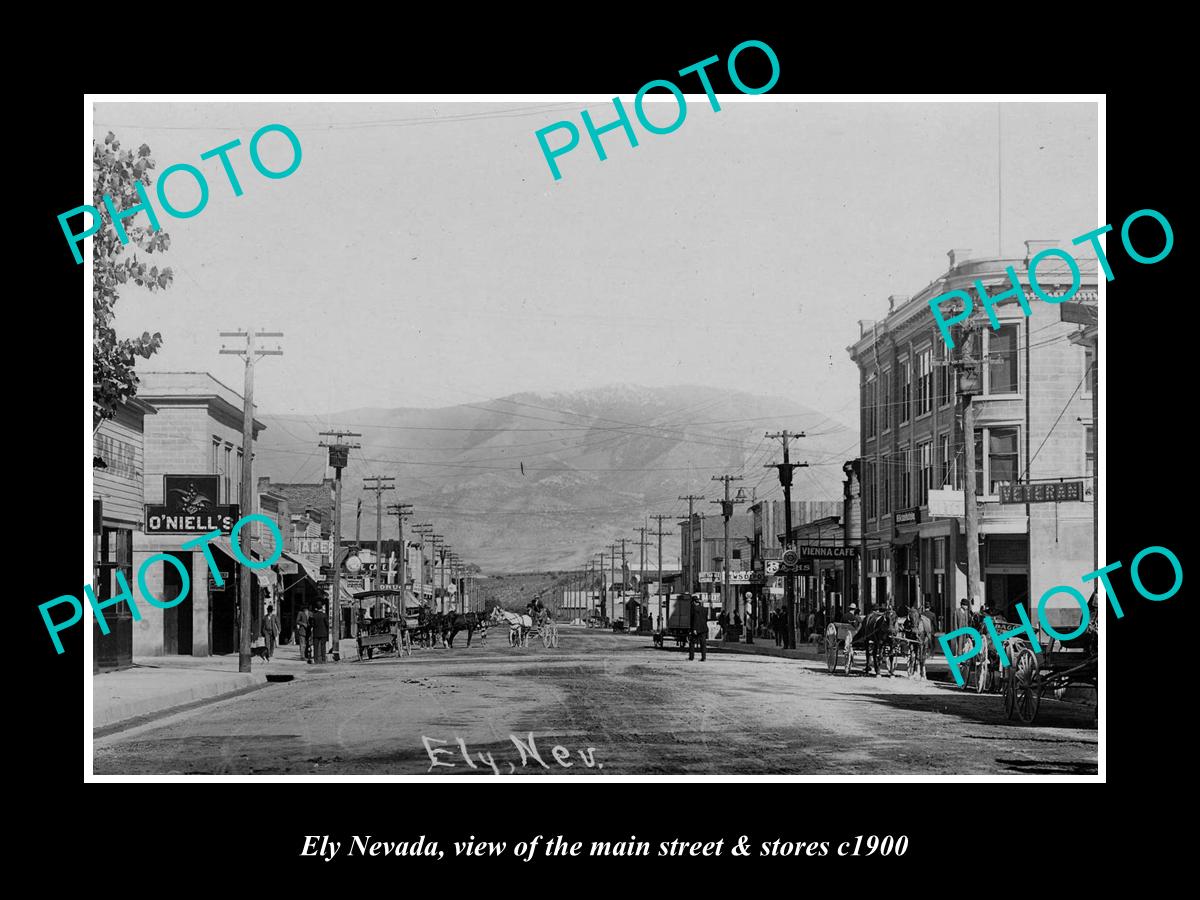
x,y
1033,424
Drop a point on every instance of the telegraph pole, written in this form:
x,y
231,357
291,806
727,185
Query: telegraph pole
x,y
691,576
968,386
401,511
378,487
247,492
643,597
785,478
339,456
599,562
612,576
442,572
727,514
422,530
434,540
658,532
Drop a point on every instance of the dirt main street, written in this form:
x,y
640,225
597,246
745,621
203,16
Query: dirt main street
x,y
601,704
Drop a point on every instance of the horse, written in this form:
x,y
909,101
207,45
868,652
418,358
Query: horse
x,y
918,624
453,623
873,633
518,626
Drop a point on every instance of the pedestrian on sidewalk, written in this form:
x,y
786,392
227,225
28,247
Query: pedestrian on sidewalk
x,y
811,625
270,630
699,631
302,620
320,635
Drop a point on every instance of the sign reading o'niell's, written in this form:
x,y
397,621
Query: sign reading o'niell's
x,y
191,507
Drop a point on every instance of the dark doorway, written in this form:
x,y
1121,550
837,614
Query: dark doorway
x,y
177,621
222,614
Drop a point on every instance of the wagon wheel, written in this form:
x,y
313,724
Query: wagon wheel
x,y
546,639
1027,681
554,638
831,655
983,676
1010,692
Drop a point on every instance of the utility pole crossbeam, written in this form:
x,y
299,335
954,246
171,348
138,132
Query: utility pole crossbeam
x,y
339,456
691,574
246,495
785,479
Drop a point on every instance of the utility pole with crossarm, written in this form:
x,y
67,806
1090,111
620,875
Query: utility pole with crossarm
x,y
785,478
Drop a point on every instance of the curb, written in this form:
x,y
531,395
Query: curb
x,y
118,712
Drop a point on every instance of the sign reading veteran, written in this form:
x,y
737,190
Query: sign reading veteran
x,y
191,507
1041,493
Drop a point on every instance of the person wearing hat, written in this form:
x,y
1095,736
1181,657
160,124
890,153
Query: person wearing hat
x,y
699,631
962,619
852,617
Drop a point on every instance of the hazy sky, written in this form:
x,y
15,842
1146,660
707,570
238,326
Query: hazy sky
x,y
423,255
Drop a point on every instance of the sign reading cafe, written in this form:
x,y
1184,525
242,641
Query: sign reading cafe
x,y
190,507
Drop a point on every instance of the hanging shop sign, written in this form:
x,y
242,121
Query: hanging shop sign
x,y
1049,492
190,507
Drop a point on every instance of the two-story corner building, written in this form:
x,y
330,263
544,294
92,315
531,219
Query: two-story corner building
x,y
197,431
1033,424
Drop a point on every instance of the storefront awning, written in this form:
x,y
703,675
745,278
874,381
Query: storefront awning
x,y
265,577
305,566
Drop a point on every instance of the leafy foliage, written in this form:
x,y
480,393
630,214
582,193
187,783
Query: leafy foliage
x,y
114,172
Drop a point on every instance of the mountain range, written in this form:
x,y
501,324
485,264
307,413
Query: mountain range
x,y
541,481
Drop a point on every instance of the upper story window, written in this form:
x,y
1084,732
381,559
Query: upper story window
x,y
885,400
870,489
1000,464
904,376
1089,372
924,381
1001,371
925,461
869,408
943,374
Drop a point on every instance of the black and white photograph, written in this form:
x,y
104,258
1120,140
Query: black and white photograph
x,y
699,432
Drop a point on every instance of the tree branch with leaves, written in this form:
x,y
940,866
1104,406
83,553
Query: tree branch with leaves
x,y
115,173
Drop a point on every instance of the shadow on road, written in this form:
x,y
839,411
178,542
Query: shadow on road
x,y
985,709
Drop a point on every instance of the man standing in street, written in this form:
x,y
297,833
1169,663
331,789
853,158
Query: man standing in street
x,y
302,632
962,619
699,631
320,635
270,630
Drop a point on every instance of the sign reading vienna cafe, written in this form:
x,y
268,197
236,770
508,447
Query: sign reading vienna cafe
x,y
190,507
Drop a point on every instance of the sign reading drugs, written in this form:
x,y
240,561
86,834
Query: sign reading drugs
x,y
1051,492
190,507
738,577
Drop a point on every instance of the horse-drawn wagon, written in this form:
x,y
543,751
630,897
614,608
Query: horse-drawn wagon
x,y
1059,666
679,623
